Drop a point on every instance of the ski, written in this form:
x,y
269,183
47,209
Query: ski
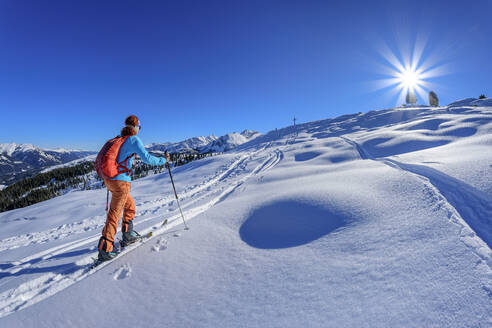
x,y
122,250
124,244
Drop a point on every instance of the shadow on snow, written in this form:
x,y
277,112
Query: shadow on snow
x,y
61,268
289,223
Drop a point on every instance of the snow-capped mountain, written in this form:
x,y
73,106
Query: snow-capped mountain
x,y
189,145
205,144
18,159
231,141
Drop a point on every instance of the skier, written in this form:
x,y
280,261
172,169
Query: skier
x,y
121,201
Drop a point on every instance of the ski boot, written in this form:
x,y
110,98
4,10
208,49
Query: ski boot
x,y
104,255
130,236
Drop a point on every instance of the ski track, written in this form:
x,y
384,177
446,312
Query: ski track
x,y
46,285
97,222
466,207
60,232
47,254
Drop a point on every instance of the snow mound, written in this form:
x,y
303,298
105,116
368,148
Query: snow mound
x,y
462,102
487,102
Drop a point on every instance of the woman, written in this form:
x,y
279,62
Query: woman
x,y
121,201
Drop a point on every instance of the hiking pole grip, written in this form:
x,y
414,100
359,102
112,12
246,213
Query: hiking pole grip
x,y
170,175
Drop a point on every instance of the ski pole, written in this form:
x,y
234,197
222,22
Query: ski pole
x,y
175,193
107,201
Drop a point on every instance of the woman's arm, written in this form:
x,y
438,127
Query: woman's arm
x,y
144,154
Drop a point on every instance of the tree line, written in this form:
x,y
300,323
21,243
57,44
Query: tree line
x,y
43,186
53,183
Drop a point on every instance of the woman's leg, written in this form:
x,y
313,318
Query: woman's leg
x,y
119,193
128,214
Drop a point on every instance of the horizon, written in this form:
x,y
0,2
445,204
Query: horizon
x,y
72,71
148,144
210,135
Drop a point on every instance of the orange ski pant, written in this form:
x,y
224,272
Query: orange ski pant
x,y
121,201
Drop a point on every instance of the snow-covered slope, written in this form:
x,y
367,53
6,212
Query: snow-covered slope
x,y
472,102
90,158
380,219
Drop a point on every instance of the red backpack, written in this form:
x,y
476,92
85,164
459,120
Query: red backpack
x,y
106,165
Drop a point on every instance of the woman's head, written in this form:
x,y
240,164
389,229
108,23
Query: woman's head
x,y
132,126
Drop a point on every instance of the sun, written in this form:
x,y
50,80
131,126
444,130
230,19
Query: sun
x,y
409,79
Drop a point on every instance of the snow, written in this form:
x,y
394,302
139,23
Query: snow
x,y
487,102
483,102
186,145
206,144
16,158
9,148
62,150
462,102
90,158
380,219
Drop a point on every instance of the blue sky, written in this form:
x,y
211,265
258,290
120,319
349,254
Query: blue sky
x,y
71,71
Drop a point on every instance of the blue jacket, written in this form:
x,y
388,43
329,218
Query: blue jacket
x,y
133,145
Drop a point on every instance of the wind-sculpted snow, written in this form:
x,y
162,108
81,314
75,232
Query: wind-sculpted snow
x,y
378,219
306,156
469,208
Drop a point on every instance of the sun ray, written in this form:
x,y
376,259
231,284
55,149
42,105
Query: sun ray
x,y
391,58
418,50
421,92
429,85
402,96
436,71
385,70
377,85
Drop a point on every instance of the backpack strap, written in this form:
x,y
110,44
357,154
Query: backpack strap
x,y
123,166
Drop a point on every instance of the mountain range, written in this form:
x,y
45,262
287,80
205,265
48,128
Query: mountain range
x,y
205,144
21,160
18,161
